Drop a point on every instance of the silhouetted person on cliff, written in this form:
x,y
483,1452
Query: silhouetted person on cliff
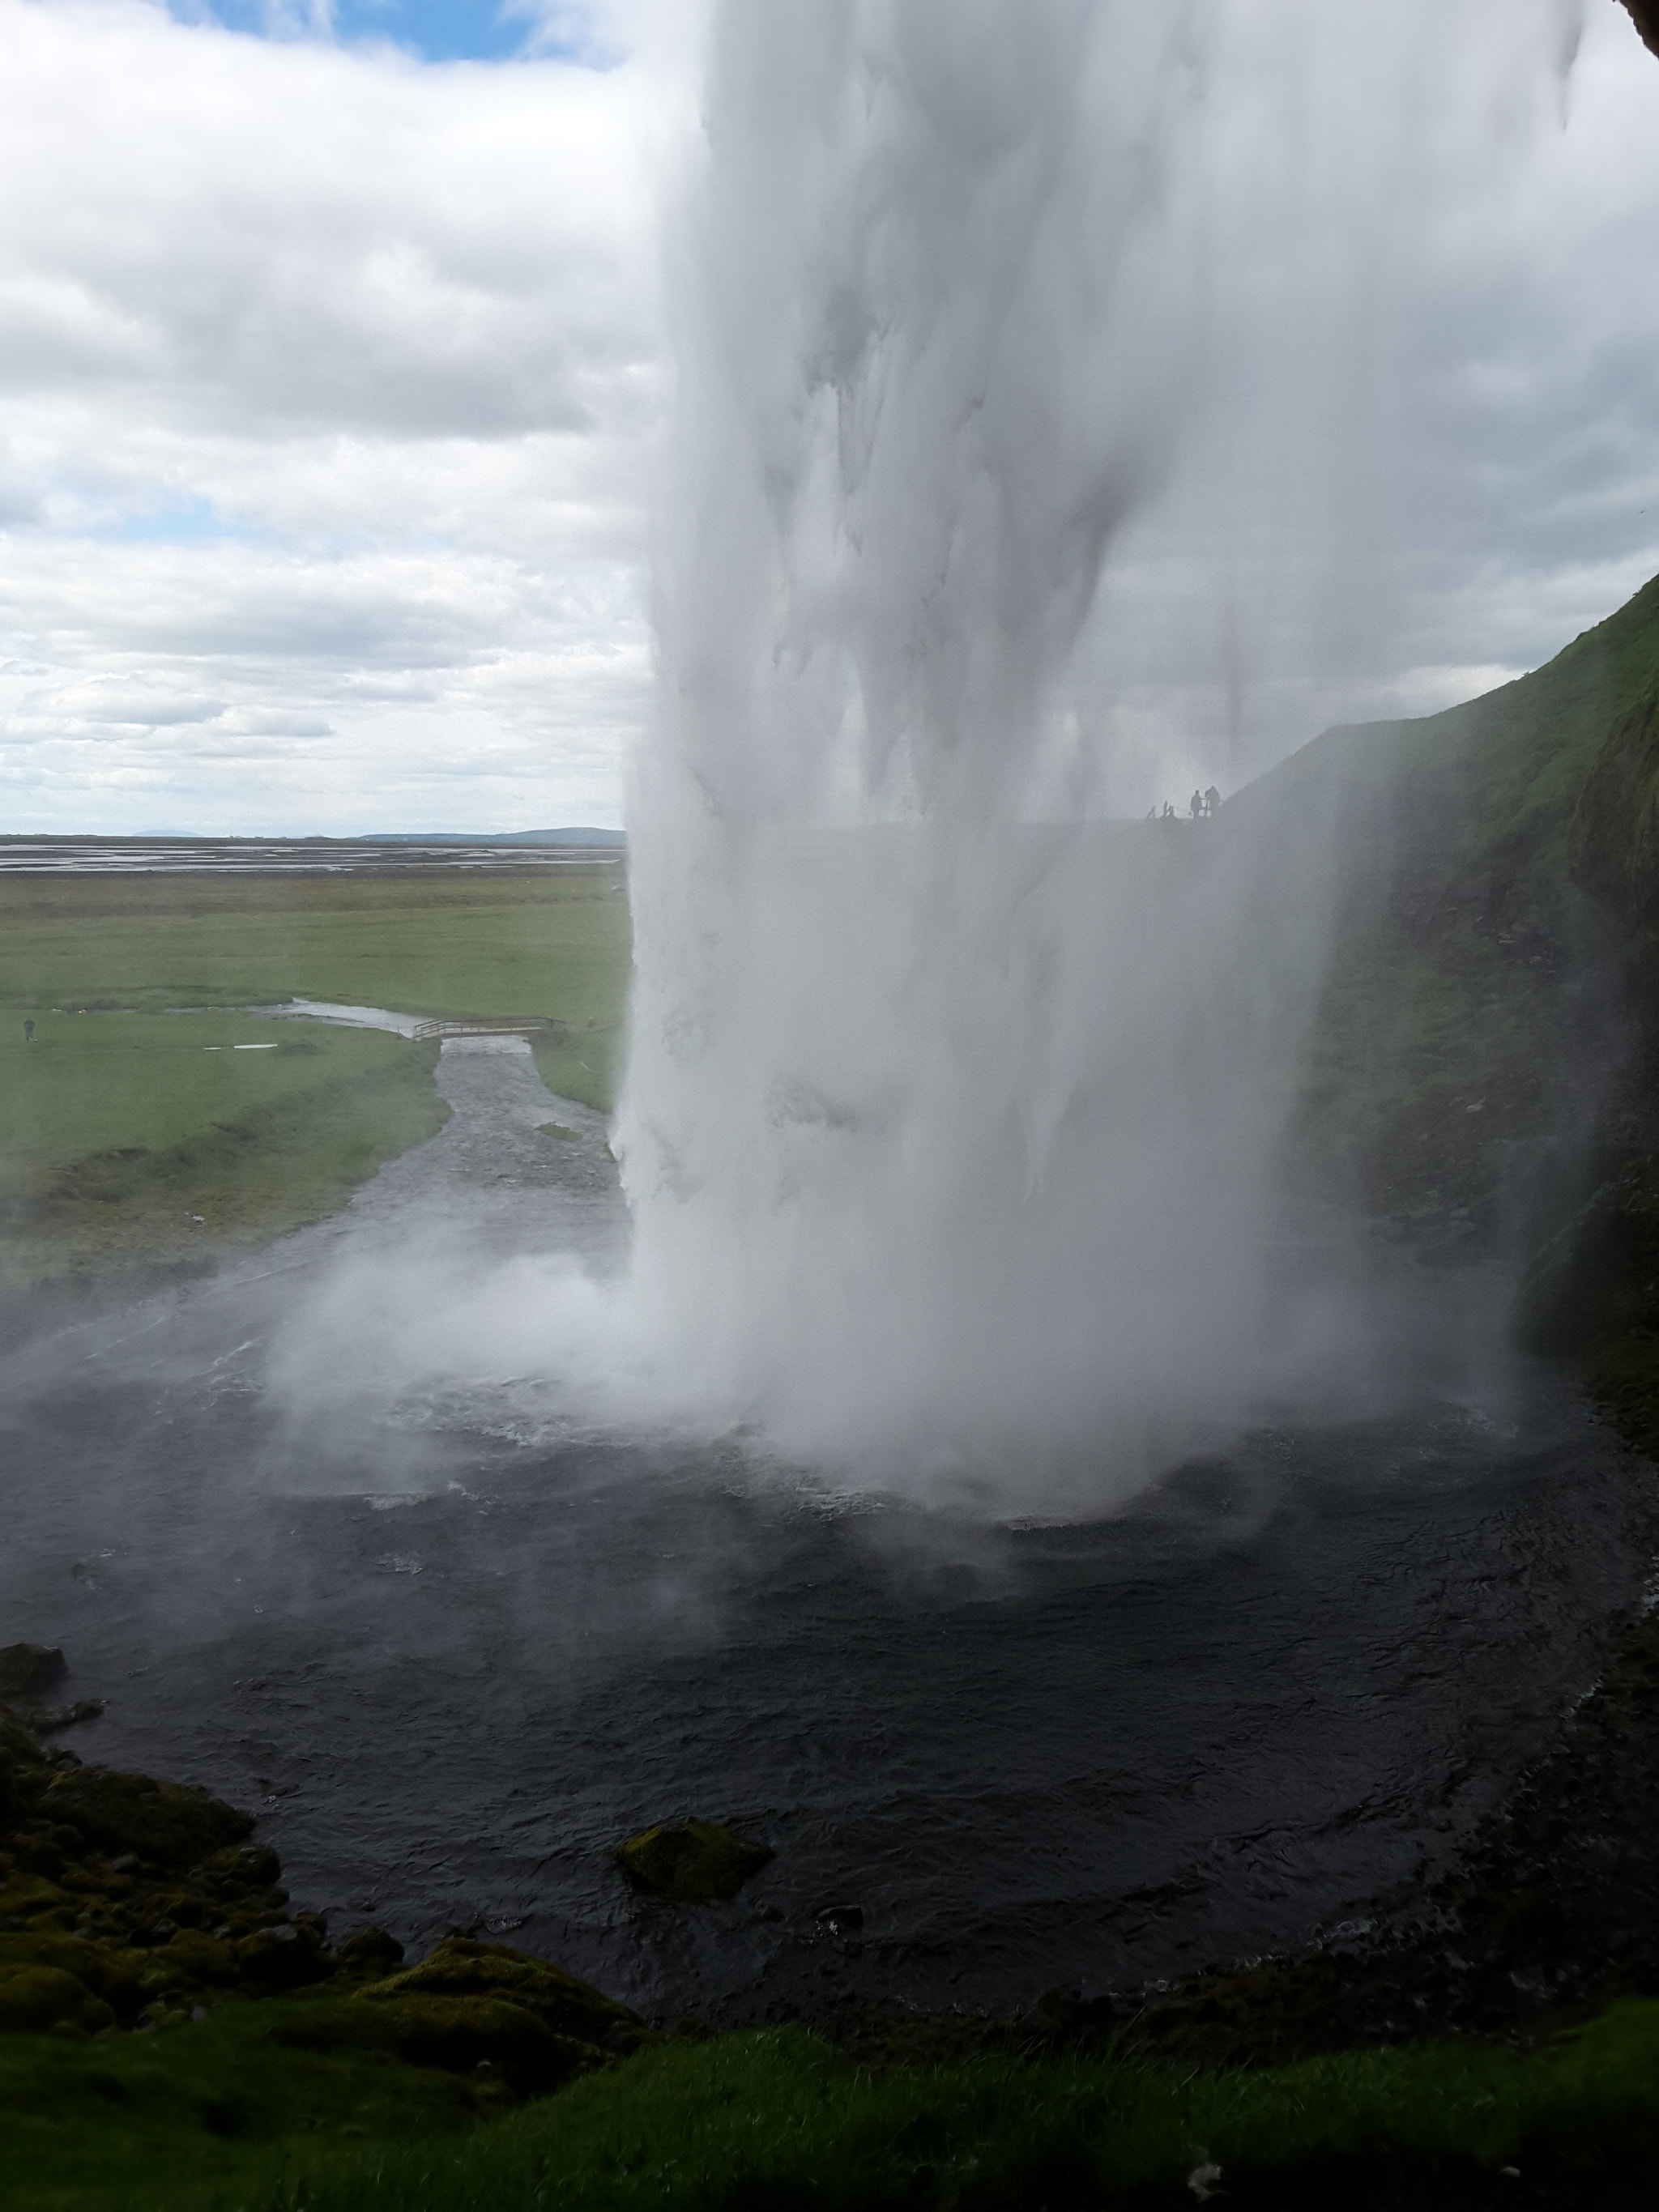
x,y
1212,801
1197,806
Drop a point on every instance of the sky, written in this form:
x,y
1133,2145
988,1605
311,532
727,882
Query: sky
x,y
334,388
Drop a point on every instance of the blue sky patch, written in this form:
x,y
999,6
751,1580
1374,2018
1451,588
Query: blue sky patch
x,y
436,30
176,522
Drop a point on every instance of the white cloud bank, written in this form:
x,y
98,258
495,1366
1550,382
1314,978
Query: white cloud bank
x,y
332,388
329,388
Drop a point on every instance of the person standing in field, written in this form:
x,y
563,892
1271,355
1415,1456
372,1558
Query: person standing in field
x,y
28,1031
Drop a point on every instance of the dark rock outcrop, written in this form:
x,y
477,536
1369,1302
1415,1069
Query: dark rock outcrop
x,y
127,1902
691,1861
28,1671
166,1824
472,2004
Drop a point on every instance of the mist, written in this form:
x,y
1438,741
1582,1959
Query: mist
x,y
954,1126
1058,432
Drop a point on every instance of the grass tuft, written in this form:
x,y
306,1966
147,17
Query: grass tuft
x,y
212,2117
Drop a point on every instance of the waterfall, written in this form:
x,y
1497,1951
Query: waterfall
x,y
953,1121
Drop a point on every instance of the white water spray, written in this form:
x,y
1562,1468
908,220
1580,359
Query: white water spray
x,y
953,1115
1071,411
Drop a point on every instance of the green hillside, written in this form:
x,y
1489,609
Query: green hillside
x,y
1478,991
1482,1074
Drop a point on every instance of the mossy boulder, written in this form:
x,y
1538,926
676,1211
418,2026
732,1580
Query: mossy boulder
x,y
369,1955
244,1866
102,1973
691,1861
460,2035
459,1969
205,1961
29,1670
472,2005
35,1999
290,1956
168,1824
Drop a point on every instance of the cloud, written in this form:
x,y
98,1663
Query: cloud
x,y
489,689
318,365
1426,451
235,234
133,705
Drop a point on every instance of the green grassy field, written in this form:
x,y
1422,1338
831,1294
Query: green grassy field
x,y
133,1140
89,1082
549,944
220,2114
131,1134
177,2114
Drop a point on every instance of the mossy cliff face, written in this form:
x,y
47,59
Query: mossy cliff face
x,y
1596,1289
127,1903
1482,1072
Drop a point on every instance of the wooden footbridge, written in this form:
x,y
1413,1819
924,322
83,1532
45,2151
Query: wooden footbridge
x,y
531,1027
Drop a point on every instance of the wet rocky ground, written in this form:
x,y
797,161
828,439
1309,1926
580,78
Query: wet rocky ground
x,y
1548,1914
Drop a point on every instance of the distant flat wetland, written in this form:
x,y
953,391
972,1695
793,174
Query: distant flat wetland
x,y
148,1117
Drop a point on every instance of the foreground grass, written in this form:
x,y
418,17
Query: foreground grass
x,y
215,2115
175,2115
778,2118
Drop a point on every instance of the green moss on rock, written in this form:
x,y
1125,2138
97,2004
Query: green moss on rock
x,y
129,1902
146,1896
169,1823
33,1999
460,1969
370,1955
29,1670
472,2005
691,1861
459,2035
110,1975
